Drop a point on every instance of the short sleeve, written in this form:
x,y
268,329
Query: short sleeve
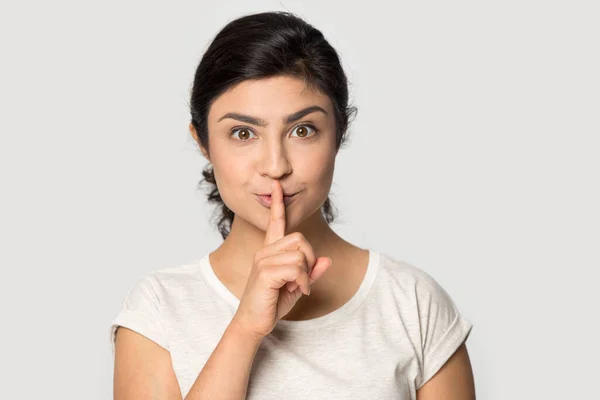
x,y
141,313
443,328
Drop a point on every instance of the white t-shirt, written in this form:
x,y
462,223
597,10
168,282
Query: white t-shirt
x,y
390,338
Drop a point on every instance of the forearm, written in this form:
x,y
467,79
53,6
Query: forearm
x,y
226,372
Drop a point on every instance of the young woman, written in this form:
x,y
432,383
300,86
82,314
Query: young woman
x,y
284,308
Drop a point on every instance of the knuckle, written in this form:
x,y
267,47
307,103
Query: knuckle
x,y
298,237
299,257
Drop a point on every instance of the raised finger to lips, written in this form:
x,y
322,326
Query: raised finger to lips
x,y
276,227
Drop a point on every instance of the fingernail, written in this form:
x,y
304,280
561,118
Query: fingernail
x,y
330,260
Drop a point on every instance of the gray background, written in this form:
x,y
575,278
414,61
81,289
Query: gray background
x,y
474,156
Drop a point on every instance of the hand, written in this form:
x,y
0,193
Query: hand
x,y
282,261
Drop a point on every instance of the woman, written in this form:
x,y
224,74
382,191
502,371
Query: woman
x,y
284,307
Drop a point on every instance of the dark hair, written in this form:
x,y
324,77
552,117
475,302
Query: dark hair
x,y
259,46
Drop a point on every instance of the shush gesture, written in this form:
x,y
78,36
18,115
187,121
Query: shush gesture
x,y
283,269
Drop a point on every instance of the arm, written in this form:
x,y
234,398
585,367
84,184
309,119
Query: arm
x,y
143,369
454,381
226,372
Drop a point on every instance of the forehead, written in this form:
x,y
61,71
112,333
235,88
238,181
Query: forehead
x,y
269,98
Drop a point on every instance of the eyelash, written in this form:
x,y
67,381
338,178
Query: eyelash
x,y
239,128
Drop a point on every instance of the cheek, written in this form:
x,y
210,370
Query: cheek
x,y
320,165
230,175
316,171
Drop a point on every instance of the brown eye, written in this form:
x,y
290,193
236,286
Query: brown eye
x,y
304,130
244,133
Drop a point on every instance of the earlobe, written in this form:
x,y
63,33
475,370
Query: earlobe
x,y
193,132
194,135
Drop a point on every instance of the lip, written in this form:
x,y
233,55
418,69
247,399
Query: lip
x,y
268,194
265,200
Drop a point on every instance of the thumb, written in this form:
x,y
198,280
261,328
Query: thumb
x,y
321,265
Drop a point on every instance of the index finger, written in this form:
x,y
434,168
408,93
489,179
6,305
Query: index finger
x,y
276,227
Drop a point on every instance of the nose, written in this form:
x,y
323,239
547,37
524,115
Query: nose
x,y
274,161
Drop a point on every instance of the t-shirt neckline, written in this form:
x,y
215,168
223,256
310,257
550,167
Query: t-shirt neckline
x,y
337,315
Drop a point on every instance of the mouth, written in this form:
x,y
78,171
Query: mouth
x,y
265,199
284,195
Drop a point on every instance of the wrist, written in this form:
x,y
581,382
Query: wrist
x,y
239,330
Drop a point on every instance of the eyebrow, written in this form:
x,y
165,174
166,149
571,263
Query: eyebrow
x,y
260,122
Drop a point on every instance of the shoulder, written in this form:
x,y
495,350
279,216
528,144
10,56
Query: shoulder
x,y
159,287
177,275
168,284
423,303
151,298
418,290
432,318
410,279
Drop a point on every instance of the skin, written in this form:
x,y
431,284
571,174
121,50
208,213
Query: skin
x,y
143,369
302,159
454,381
246,163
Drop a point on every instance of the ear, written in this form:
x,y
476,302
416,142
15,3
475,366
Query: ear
x,y
194,135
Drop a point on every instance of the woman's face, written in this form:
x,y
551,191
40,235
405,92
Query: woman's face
x,y
272,129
